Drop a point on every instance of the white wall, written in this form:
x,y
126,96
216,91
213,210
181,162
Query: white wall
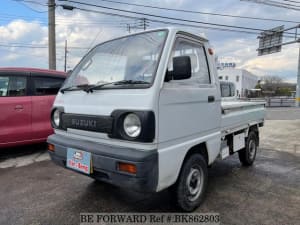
x,y
245,80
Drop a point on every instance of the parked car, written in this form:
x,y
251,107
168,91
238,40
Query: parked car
x,y
26,98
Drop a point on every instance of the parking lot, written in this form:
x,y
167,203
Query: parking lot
x,y
35,191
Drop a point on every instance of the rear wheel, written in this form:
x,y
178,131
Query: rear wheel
x,y
248,154
191,185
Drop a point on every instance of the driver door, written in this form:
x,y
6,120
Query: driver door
x,y
189,108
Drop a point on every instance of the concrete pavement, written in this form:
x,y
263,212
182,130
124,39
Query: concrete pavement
x,y
35,191
283,113
281,135
43,193
282,130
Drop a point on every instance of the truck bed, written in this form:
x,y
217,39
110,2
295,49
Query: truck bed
x,y
237,114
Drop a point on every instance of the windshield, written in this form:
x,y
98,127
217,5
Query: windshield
x,y
133,58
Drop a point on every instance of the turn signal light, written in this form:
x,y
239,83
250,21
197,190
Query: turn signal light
x,y
127,167
51,147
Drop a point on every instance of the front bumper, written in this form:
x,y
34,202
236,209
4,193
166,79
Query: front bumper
x,y
105,159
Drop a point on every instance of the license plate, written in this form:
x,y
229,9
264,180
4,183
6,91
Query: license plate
x,y
79,160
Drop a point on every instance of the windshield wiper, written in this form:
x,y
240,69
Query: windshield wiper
x,y
130,82
120,82
75,88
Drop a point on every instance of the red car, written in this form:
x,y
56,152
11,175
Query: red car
x,y
26,98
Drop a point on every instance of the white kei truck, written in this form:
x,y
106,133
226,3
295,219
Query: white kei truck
x,y
144,112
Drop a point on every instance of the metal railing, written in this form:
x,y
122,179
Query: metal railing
x,y
275,101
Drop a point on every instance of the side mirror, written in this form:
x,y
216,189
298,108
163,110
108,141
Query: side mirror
x,y
182,68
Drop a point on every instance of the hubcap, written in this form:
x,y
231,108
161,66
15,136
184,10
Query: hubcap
x,y
252,149
194,183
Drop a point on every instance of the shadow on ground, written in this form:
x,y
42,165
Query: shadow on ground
x,y
7,153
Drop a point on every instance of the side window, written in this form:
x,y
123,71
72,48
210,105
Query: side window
x,y
4,86
225,90
195,51
232,89
11,86
47,85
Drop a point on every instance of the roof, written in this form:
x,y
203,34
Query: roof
x,y
172,31
32,70
185,30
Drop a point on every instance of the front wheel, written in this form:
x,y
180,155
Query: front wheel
x,y
191,185
248,154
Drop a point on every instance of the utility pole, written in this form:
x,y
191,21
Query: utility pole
x,y
298,82
144,23
128,27
51,34
66,54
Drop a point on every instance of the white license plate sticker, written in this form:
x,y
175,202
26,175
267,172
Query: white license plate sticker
x,y
79,160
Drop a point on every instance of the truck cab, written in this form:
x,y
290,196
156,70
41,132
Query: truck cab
x,y
144,112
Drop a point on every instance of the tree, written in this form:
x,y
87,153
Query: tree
x,y
271,83
272,80
283,91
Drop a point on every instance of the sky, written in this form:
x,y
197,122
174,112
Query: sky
x,y
24,31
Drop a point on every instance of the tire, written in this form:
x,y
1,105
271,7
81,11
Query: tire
x,y
190,188
248,154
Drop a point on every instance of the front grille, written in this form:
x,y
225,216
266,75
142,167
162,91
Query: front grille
x,y
102,124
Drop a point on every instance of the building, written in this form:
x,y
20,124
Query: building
x,y
243,79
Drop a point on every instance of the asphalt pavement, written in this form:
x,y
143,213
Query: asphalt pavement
x,y
36,191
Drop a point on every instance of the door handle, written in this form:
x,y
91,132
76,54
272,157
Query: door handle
x,y
18,107
211,98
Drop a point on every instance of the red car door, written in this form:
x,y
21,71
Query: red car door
x,y
15,109
45,89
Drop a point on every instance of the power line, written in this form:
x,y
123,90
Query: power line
x,y
291,1
240,28
85,21
197,12
166,17
32,46
280,3
174,23
68,22
30,1
23,2
274,3
214,26
168,22
13,16
95,38
92,24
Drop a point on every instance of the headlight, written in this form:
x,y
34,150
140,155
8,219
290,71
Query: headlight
x,y
132,125
56,117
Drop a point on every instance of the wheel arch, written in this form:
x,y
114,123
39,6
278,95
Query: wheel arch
x,y
169,170
255,129
200,149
